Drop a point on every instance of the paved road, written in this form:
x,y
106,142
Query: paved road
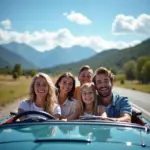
x,y
139,99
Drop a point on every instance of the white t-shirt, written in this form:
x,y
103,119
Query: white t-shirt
x,y
27,106
68,107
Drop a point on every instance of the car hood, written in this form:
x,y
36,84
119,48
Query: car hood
x,y
72,136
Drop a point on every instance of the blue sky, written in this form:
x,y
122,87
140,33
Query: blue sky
x,y
99,24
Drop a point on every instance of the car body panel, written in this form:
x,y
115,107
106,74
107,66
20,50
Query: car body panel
x,y
72,135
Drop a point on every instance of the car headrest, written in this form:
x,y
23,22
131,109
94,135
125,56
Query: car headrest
x,y
136,111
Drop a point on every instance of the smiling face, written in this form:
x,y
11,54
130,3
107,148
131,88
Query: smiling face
x,y
87,95
66,85
41,87
103,85
85,77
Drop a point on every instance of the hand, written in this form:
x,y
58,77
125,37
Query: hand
x,y
64,119
104,117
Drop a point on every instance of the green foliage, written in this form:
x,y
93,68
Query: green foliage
x,y
122,81
15,75
140,63
29,73
6,70
120,77
33,72
17,71
130,70
146,71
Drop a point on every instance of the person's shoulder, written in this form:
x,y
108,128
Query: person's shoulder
x,y
73,100
122,100
24,104
119,97
56,105
24,101
77,87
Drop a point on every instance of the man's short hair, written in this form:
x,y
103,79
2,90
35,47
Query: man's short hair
x,y
103,70
86,67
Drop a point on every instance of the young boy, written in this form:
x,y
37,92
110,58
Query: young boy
x,y
85,76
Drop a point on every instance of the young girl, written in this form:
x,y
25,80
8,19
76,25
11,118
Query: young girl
x,y
66,86
87,103
42,96
85,76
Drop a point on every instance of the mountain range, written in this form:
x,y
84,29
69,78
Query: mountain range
x,y
31,58
69,59
112,58
9,59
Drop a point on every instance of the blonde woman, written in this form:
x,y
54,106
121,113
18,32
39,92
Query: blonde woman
x,y
42,96
87,103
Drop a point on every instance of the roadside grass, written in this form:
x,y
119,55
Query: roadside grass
x,y
11,89
134,85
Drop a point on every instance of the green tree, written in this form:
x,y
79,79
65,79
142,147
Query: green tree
x,y
140,63
130,70
17,71
33,72
15,75
146,72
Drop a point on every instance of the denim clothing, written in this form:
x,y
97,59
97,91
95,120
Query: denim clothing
x,y
119,105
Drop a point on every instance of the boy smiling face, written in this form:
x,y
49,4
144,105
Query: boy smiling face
x,y
85,77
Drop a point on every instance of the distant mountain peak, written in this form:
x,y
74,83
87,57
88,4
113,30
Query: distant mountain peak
x,y
52,57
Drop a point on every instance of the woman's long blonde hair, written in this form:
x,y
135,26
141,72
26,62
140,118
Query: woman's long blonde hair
x,y
80,107
51,98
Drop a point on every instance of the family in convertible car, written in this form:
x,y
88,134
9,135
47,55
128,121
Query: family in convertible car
x,y
62,100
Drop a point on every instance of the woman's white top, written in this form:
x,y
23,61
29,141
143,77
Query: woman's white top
x,y
68,107
27,106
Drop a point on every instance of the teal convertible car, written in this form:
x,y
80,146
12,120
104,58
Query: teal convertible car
x,y
41,131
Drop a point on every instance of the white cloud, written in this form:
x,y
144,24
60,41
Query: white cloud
x,y
6,24
128,24
78,18
46,40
